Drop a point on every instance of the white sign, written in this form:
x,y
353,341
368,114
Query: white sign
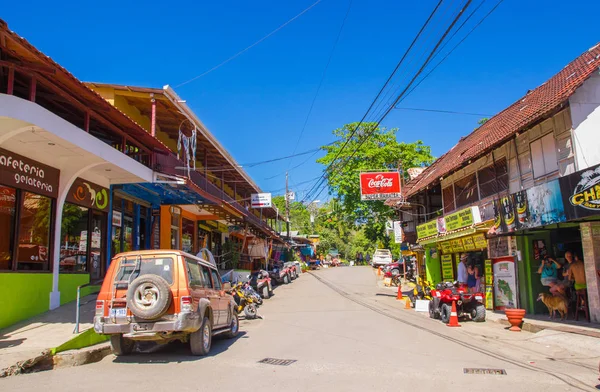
x,y
291,196
117,218
398,232
260,200
83,241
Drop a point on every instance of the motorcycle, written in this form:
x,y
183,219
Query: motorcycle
x,y
422,291
249,291
467,304
243,302
261,283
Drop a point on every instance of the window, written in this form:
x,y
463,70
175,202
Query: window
x,y
493,179
74,240
543,156
34,232
466,191
216,279
161,266
187,235
8,197
194,273
448,197
206,277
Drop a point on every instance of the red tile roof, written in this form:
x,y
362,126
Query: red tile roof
x,y
521,115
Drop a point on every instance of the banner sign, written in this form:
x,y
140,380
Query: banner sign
x,y
489,285
480,241
581,193
468,244
446,247
505,283
537,206
379,185
87,194
117,219
457,245
427,229
463,218
447,270
260,200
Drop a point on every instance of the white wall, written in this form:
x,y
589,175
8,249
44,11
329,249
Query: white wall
x,y
585,113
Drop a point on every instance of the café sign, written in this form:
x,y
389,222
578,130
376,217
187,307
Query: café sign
x,y
87,194
24,173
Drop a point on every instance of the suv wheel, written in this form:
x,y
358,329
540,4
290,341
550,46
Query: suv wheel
x,y
120,345
234,327
148,297
201,340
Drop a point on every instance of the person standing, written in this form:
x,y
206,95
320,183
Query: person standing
x,y
576,273
462,269
368,258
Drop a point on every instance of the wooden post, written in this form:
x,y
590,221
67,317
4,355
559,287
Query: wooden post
x,y
86,122
32,89
11,82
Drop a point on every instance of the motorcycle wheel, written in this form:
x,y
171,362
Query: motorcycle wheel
x,y
250,311
432,310
265,292
446,310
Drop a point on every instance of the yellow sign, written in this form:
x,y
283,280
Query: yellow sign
x,y
489,278
480,241
468,244
427,229
446,247
457,245
447,270
459,219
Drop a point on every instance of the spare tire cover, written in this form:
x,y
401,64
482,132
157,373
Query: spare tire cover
x,y
148,296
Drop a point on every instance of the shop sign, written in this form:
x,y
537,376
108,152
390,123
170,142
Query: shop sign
x,y
581,193
398,232
505,283
27,174
87,194
489,285
379,185
427,229
463,218
260,200
96,238
457,245
480,241
117,218
83,241
537,206
468,244
447,271
446,247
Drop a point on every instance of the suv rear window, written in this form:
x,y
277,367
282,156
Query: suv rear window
x,y
382,253
161,266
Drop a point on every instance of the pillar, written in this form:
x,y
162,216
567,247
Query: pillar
x,y
67,177
590,240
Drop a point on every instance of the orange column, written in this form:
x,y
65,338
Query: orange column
x,y
165,227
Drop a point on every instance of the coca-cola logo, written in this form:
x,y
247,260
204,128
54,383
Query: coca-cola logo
x,y
380,182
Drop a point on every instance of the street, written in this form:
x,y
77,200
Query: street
x,y
345,333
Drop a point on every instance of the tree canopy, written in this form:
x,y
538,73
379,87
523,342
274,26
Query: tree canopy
x,y
377,148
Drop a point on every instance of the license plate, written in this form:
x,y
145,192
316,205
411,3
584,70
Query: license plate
x,y
119,312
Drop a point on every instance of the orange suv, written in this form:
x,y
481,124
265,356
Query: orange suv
x,y
164,295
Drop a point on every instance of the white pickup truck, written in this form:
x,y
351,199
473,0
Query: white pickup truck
x,y
382,257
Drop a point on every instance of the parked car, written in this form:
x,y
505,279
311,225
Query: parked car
x,y
164,295
393,269
382,257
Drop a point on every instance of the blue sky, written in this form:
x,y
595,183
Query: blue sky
x,y
256,105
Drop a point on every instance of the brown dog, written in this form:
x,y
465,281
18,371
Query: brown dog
x,y
554,303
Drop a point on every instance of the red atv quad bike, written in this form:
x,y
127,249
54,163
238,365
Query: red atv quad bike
x,y
467,304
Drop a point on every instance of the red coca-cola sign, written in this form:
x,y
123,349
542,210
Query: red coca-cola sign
x,y
379,186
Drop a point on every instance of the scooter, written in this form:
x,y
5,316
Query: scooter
x,y
249,292
422,291
467,304
261,283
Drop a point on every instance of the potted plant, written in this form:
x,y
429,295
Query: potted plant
x,y
515,318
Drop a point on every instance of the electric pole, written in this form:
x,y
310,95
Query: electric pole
x,y
287,207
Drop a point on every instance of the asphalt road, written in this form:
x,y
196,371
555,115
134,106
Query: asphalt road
x,y
345,334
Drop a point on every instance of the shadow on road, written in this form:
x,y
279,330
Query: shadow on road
x,y
175,352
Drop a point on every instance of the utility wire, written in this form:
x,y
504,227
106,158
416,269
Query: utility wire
x,y
249,47
353,132
444,111
312,105
391,107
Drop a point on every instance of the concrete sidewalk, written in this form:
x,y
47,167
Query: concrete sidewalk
x,y
29,338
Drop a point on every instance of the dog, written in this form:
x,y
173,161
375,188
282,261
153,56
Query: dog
x,y
554,303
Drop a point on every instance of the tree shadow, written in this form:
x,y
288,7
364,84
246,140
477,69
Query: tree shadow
x,y
175,352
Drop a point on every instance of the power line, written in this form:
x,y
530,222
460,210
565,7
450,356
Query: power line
x,y
391,107
337,39
249,47
352,133
444,111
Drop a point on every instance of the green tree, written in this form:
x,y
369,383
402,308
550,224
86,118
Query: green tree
x,y
299,215
377,148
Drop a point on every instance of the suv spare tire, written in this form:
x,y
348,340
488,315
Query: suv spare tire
x,y
148,296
